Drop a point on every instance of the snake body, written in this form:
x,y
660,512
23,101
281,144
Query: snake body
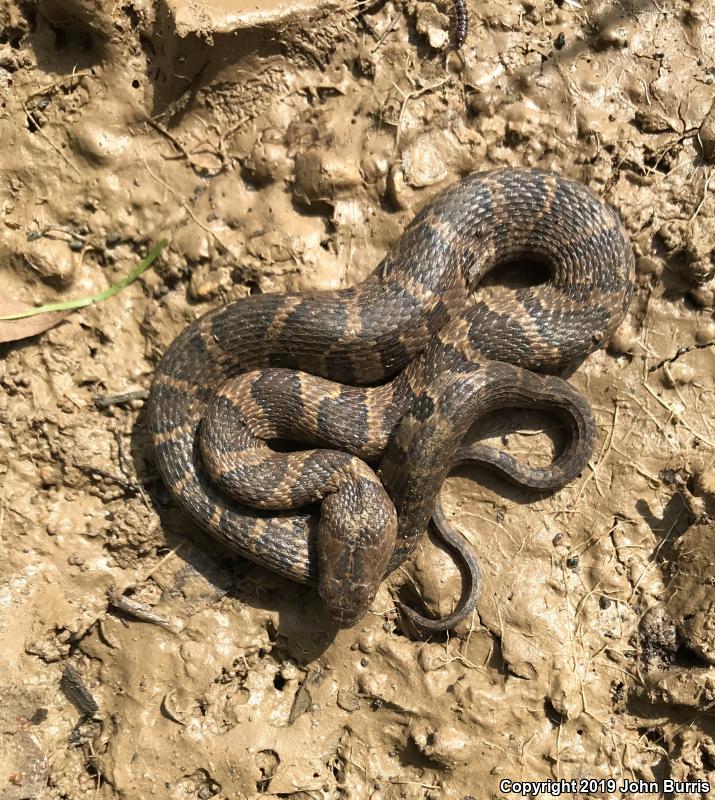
x,y
268,366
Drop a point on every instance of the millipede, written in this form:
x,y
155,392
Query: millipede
x,y
461,22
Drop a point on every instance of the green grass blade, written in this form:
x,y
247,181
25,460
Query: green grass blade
x,y
81,302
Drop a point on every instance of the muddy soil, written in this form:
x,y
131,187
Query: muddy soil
x,y
285,145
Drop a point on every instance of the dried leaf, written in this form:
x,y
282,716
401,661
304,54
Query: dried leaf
x,y
13,329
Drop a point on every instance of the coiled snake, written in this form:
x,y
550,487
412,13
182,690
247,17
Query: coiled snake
x,y
266,366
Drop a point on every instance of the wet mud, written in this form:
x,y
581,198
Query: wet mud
x,y
284,146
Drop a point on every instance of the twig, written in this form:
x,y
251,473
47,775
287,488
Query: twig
x,y
407,96
141,612
108,400
76,692
160,563
705,194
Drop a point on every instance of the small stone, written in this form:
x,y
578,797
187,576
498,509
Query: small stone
x,y
397,193
704,295
347,700
52,260
658,632
39,716
692,243
438,38
193,243
365,62
616,36
650,120
50,476
324,175
290,671
61,526
431,658
375,166
434,24
422,161
679,373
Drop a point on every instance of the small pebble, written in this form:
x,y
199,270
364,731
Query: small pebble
x,y
324,175
39,716
347,700
432,23
397,193
617,36
52,260
565,693
423,161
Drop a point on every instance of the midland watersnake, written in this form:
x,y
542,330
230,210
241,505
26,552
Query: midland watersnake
x,y
453,357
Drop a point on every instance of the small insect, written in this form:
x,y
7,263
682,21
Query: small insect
x,y
461,22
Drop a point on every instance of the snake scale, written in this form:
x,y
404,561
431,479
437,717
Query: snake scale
x,y
392,371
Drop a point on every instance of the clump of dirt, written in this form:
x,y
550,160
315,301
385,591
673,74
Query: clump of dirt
x,y
285,148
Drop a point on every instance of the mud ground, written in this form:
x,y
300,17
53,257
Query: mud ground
x,y
285,147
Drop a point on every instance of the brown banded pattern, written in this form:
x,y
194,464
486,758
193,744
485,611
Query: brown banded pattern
x,y
414,303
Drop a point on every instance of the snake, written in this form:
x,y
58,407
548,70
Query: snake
x,y
389,373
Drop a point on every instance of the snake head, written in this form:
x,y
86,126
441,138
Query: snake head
x,y
356,537
347,603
